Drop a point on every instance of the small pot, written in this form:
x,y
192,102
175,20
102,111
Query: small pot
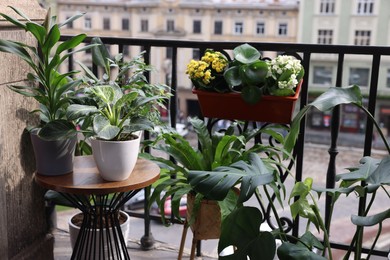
x,y
53,157
115,160
75,229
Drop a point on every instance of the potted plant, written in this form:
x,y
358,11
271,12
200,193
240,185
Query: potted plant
x,y
251,85
371,176
54,139
113,112
208,176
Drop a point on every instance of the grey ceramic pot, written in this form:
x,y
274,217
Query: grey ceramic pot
x,y
53,157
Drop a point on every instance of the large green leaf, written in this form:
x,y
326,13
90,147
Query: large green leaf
x,y
251,95
70,19
100,55
254,73
51,39
14,21
217,183
58,129
181,150
370,220
103,128
17,49
246,53
138,124
332,97
71,43
241,232
232,76
289,251
38,31
76,111
204,139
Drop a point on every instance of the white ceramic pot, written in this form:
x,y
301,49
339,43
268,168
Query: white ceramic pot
x,y
74,231
115,160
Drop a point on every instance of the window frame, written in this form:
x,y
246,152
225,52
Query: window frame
x,y
238,28
282,29
197,26
365,7
144,23
327,6
260,28
220,22
106,23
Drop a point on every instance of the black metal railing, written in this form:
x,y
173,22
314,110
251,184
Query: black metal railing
x,y
305,52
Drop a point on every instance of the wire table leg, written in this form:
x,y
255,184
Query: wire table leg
x,y
100,235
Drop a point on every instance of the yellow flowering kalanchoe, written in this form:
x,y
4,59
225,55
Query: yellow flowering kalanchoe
x,y
203,72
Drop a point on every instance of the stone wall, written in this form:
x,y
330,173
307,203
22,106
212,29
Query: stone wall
x,y
23,224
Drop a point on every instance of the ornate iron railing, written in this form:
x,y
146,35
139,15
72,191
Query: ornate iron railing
x,y
305,52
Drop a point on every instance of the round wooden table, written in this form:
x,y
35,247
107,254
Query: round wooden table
x,y
100,202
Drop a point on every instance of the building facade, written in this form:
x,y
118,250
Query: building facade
x,y
208,20
347,22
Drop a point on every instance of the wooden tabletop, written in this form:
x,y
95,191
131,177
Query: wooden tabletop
x,y
86,179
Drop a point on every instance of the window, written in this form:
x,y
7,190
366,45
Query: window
x,y
70,24
106,24
218,27
87,23
322,75
238,28
170,25
362,37
126,50
125,24
260,28
325,37
388,78
359,76
365,6
327,6
144,25
169,52
197,26
282,31
196,54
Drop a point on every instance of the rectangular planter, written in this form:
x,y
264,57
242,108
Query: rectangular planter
x,y
231,106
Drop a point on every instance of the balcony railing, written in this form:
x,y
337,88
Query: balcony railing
x,y
336,53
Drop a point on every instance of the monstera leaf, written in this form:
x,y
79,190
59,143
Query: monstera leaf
x,y
241,231
216,184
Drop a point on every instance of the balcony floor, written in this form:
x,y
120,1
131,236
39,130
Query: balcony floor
x,y
166,246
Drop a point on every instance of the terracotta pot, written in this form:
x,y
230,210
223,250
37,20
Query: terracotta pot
x,y
115,160
231,106
53,157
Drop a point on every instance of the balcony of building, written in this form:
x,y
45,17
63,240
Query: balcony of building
x,y
321,152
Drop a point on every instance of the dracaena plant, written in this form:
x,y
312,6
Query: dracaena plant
x,y
120,103
211,172
52,89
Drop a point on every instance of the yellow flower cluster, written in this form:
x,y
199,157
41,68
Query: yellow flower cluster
x,y
202,70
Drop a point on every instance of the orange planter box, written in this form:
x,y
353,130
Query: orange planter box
x,y
270,109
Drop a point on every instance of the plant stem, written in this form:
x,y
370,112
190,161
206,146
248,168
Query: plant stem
x,y
322,226
283,235
377,127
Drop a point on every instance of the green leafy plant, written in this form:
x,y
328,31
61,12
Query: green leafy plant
x,y
223,161
254,77
368,178
115,108
52,89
